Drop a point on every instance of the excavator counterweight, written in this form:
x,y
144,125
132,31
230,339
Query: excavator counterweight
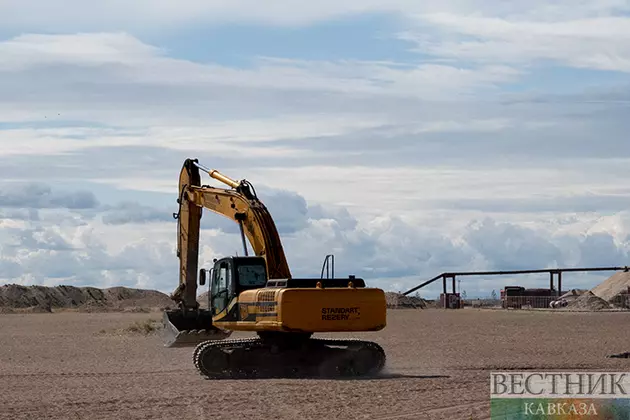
x,y
258,293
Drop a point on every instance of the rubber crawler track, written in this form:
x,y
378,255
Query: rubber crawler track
x,y
206,346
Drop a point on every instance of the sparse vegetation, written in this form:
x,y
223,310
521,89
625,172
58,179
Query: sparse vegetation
x,y
399,301
145,327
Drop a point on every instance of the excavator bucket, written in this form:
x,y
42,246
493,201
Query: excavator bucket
x,y
189,330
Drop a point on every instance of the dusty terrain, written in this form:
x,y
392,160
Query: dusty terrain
x,y
92,366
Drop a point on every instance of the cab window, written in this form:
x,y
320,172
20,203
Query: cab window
x,y
252,276
221,287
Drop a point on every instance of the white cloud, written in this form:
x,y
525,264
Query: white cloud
x,y
353,108
596,42
407,190
166,15
122,81
387,251
206,137
512,247
34,196
89,49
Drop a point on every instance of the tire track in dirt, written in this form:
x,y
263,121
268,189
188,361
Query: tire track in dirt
x,y
102,409
479,404
91,374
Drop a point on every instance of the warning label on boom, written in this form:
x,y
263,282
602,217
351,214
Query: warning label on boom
x,y
340,314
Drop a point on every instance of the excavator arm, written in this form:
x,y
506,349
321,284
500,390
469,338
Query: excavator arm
x,y
189,324
239,204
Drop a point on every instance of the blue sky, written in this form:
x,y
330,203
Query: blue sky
x,y
355,38
408,138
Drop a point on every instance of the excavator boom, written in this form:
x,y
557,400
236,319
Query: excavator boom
x,y
189,324
256,222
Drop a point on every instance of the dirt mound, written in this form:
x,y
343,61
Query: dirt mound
x,y
572,294
615,285
588,301
17,298
137,298
399,301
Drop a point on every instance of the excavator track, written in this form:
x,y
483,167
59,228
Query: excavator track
x,y
313,357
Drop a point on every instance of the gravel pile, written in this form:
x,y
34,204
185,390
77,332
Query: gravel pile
x,y
573,294
612,288
400,301
589,302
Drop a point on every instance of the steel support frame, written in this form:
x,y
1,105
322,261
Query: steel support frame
x,y
551,272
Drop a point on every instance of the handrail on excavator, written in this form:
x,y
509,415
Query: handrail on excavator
x,y
326,266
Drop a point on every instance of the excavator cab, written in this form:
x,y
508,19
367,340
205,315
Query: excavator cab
x,y
231,276
226,279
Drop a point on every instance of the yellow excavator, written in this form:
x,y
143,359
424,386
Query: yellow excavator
x,y
258,293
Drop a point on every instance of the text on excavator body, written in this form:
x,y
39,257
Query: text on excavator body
x,y
339,314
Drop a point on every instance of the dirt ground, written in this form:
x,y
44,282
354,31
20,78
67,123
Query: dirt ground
x,y
76,366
